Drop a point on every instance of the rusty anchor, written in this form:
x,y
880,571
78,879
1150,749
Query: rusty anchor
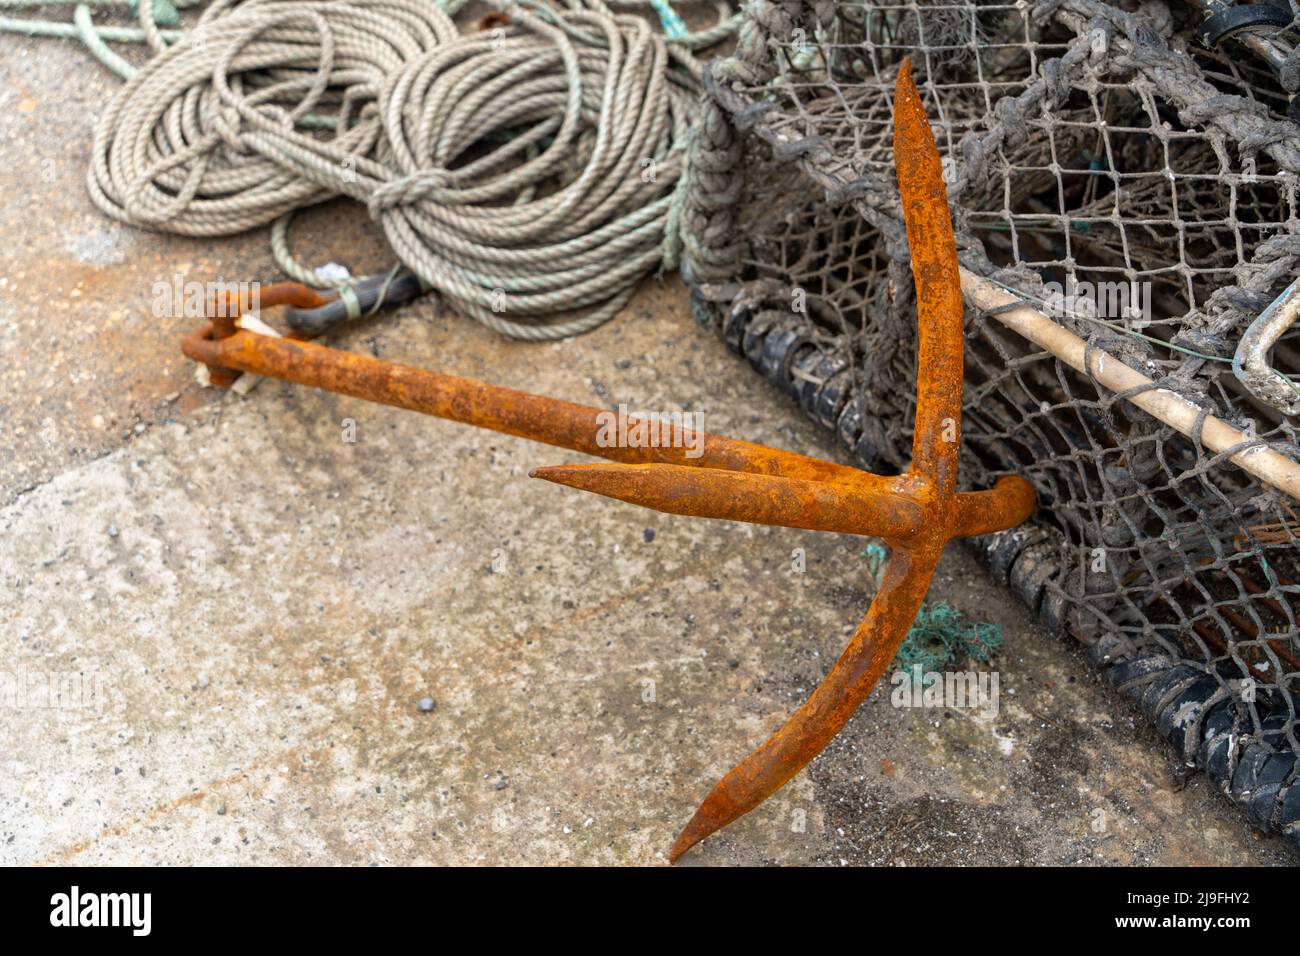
x,y
916,513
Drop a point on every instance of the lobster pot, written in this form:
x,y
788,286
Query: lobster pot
x,y
1133,184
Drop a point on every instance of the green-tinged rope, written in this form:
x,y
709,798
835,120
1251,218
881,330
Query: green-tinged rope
x,y
941,634
71,31
95,44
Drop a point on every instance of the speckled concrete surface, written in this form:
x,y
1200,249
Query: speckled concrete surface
x,y
245,609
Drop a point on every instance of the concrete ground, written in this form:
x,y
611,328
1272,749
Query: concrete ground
x,y
240,610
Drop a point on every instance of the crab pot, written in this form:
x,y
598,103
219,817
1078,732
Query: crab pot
x,y
1132,183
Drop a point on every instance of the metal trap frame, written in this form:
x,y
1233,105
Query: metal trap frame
x,y
1086,146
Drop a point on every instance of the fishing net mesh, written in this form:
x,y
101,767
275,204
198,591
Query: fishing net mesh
x,y
1089,148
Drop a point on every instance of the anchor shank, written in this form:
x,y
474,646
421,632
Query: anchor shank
x,y
551,421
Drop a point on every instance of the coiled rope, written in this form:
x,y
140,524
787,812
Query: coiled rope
x,y
528,173
187,145
588,99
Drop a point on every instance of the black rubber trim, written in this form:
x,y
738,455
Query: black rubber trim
x,y
1244,16
396,288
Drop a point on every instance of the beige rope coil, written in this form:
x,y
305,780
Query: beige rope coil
x,y
184,145
526,172
555,244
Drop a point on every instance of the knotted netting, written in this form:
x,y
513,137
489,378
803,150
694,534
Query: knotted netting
x,y
1137,185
